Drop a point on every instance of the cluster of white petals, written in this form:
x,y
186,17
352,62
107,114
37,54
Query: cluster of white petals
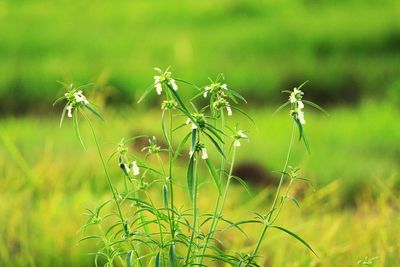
x,y
238,136
297,105
75,99
164,78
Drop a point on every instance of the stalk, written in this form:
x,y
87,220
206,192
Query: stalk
x,y
107,175
195,215
278,191
171,188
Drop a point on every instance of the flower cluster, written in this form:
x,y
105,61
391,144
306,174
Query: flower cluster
x,y
129,168
219,91
200,148
239,136
164,78
153,148
297,105
169,104
75,99
199,120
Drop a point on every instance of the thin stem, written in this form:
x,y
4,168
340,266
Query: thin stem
x,y
171,188
107,175
195,214
278,191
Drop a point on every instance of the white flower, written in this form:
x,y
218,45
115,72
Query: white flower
x,y
188,121
300,105
229,110
69,109
295,95
224,86
237,143
204,154
157,84
173,84
300,116
242,134
135,168
79,97
205,94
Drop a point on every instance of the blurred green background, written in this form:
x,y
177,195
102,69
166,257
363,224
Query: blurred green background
x,y
348,50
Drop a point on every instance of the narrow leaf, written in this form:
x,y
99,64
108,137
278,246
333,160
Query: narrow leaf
x,y
76,127
296,237
96,113
316,106
214,175
165,196
172,255
190,176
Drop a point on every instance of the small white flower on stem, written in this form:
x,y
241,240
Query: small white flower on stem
x,y
300,105
237,143
242,134
157,84
229,110
69,109
135,168
204,154
173,84
300,116
224,86
79,97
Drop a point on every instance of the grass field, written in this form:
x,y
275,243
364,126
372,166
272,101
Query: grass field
x,y
48,180
348,49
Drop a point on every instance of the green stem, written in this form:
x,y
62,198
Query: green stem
x,y
278,191
171,188
107,174
195,214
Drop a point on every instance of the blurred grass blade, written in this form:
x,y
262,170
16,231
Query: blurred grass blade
x,y
294,200
316,106
296,237
63,114
129,259
215,144
94,112
281,107
181,145
214,175
244,184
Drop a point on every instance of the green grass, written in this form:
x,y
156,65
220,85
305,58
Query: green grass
x,y
346,48
47,181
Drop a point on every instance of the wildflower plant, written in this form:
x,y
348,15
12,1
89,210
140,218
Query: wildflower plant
x,y
141,232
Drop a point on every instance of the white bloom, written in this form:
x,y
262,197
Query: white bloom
x,y
229,110
242,134
300,105
79,97
205,94
292,98
69,109
173,84
237,143
204,154
300,116
188,121
135,168
224,86
157,84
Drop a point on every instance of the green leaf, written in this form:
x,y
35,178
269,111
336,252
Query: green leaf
x,y
76,127
281,107
316,106
63,114
244,184
172,255
89,237
190,176
164,128
244,113
301,85
215,144
214,175
305,139
165,196
129,259
96,113
157,261
294,200
181,145
300,127
58,100
146,92
194,138
296,237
